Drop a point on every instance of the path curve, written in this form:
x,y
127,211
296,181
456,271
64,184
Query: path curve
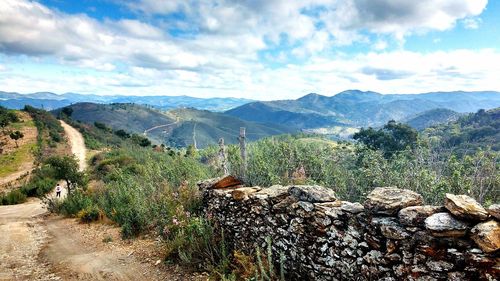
x,y
77,144
159,126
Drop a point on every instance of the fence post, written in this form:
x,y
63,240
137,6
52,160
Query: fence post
x,y
243,152
222,157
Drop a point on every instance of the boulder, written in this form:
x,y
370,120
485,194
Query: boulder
x,y
494,211
389,200
312,193
445,225
465,207
487,236
415,215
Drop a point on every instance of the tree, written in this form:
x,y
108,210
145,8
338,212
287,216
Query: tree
x,y
140,140
393,137
7,117
16,136
67,111
66,168
122,134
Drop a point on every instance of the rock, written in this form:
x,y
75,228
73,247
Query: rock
x,y
389,200
273,192
415,215
494,211
312,193
353,208
157,262
439,266
308,207
444,225
465,207
487,236
219,183
243,193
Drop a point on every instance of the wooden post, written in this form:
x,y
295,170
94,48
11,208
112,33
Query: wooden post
x,y
222,157
243,152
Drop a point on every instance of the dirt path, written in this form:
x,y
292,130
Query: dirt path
x,y
35,245
77,144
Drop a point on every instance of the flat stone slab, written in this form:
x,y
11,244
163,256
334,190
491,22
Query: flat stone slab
x,y
465,207
389,200
416,215
487,236
312,193
445,225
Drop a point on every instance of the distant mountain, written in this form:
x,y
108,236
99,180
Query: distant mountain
x,y
470,132
355,108
179,127
51,101
432,117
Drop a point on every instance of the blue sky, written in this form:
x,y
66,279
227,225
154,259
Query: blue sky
x,y
260,49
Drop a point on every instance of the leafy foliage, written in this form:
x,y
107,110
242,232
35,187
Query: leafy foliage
x,y
393,137
469,133
66,168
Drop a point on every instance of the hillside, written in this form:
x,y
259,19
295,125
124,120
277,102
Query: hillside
x,y
208,127
357,108
129,117
50,101
470,132
432,117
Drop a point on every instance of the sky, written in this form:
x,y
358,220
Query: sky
x,y
257,49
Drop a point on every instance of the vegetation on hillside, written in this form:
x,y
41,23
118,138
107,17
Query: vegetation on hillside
x,y
469,133
48,149
431,118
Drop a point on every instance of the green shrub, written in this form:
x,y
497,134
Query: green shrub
x,y
89,214
74,203
13,197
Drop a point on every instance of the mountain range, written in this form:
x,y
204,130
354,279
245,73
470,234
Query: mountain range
x,y
50,101
354,108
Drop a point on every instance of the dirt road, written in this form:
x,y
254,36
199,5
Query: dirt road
x,y
77,144
35,245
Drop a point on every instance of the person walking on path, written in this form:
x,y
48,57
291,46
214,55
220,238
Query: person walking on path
x,y
58,191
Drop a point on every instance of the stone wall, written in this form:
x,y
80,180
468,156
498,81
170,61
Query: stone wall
x,y
392,236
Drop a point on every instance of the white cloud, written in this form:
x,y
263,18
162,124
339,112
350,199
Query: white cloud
x,y
222,55
471,23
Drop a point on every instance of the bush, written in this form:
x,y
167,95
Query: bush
x,y
74,203
89,214
13,197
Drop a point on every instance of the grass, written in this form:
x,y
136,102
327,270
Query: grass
x,y
10,163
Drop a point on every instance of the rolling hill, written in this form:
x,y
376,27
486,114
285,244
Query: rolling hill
x,y
432,117
207,127
129,117
361,109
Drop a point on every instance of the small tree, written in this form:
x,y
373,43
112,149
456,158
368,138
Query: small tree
x,y
67,111
16,136
66,168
